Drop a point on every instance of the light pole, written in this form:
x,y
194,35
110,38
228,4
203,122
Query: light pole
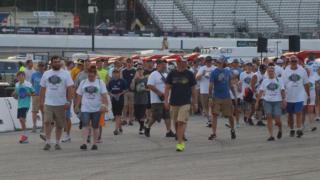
x,y
278,42
92,10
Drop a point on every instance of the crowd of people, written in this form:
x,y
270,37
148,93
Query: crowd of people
x,y
145,92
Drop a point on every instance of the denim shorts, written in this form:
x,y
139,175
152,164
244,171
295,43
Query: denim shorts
x,y
93,117
272,108
294,107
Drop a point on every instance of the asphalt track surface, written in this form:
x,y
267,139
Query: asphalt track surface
x,y
134,157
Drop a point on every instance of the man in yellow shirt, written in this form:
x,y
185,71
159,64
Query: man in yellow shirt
x,y
76,70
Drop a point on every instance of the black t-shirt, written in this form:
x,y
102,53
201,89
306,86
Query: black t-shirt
x,y
181,87
128,75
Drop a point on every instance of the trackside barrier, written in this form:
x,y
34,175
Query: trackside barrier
x,y
6,123
12,106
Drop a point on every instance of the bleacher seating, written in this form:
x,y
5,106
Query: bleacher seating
x,y
304,17
170,16
221,16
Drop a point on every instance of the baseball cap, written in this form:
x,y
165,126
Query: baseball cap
x,y
280,61
208,58
41,64
249,64
235,61
221,59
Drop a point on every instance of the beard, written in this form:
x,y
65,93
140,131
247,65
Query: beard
x,y
56,68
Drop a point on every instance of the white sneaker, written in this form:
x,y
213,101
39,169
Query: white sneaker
x,y
66,139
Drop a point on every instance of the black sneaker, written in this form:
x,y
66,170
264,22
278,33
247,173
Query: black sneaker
x,y
141,132
184,138
292,133
260,123
83,147
170,134
279,135
313,129
299,134
43,137
130,123
147,132
47,147
209,125
57,147
80,125
271,138
121,130
124,123
250,122
212,137
88,139
115,132
94,147
233,134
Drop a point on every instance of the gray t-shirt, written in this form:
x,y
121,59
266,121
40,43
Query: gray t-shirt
x,y
81,76
140,92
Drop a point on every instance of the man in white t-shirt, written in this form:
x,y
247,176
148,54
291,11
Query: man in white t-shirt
x,y
247,93
256,81
279,67
203,77
296,83
156,84
56,94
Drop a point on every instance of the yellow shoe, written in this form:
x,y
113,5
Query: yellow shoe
x,y
180,147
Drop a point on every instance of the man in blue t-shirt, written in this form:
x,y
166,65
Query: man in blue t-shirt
x,y
35,81
220,85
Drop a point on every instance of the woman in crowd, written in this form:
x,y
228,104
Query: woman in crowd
x,y
92,94
273,93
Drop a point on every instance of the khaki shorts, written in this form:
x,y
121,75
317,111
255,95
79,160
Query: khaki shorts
x,y
128,98
56,114
35,104
180,113
222,105
204,99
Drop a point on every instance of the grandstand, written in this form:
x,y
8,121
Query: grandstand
x,y
228,16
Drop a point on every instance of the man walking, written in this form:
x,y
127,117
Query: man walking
x,y
296,83
35,81
156,84
56,94
181,85
220,83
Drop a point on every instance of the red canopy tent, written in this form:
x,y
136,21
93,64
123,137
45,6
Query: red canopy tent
x,y
302,55
192,56
172,57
